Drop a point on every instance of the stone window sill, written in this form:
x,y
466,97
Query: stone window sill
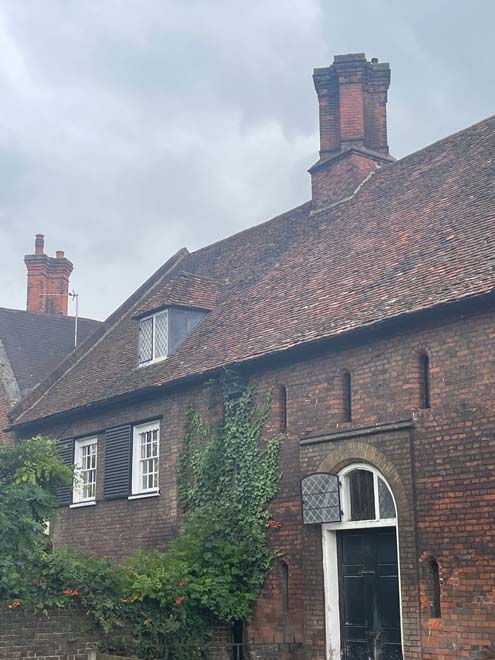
x,y
78,505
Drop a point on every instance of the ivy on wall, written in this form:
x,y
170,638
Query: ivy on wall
x,y
163,603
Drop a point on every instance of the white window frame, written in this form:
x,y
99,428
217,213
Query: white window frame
x,y
78,487
154,357
345,499
137,475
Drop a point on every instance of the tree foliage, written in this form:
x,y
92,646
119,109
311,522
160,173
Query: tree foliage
x,y
29,475
163,602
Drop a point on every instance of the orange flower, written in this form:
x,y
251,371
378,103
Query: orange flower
x,y
68,592
180,600
75,592
14,604
182,583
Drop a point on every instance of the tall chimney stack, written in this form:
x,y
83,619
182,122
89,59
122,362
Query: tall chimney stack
x,y
352,96
47,280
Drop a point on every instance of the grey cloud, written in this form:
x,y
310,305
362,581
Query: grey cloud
x,y
129,129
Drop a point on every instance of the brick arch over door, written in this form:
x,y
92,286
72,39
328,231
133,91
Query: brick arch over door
x,y
355,451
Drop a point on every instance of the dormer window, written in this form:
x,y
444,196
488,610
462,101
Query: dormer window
x,y
153,337
161,333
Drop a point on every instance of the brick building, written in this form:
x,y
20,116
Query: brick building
x,y
33,342
368,312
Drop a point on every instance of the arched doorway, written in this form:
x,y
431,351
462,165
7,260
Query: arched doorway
x,y
361,569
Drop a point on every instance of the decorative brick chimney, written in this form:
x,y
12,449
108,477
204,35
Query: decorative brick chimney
x,y
47,280
352,96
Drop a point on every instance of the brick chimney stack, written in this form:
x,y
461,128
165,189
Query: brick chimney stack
x,y
352,96
47,280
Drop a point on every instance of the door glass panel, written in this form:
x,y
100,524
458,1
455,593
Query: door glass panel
x,y
362,495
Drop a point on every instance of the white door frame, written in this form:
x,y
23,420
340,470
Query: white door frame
x,y
330,557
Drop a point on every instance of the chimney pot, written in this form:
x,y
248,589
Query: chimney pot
x,y
60,254
374,60
39,244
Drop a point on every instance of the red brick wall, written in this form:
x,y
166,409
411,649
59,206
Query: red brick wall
x,y
448,470
328,106
340,177
60,636
375,120
444,472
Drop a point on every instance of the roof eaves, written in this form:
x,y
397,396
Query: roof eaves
x,y
348,332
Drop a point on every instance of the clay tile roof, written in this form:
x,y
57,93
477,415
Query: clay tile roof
x,y
185,290
419,233
36,343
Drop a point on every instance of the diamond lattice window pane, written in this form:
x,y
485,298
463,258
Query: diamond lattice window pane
x,y
320,498
146,340
161,334
387,507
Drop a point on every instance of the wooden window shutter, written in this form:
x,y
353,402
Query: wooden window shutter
x,y
66,454
117,462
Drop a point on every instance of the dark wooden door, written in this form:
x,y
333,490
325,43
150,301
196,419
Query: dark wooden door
x,y
369,594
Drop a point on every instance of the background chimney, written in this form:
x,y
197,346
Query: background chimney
x,y
39,244
47,280
352,97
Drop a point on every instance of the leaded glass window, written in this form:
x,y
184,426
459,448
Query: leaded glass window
x,y
146,340
366,496
320,498
386,501
357,495
161,334
85,458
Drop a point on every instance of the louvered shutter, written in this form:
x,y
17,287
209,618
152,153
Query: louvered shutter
x,y
117,462
65,450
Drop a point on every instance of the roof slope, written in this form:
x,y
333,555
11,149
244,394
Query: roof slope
x,y
418,233
184,289
36,343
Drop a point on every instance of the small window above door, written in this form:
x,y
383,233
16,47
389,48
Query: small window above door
x,y
365,496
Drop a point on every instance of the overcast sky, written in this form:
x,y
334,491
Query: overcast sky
x,y
131,128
